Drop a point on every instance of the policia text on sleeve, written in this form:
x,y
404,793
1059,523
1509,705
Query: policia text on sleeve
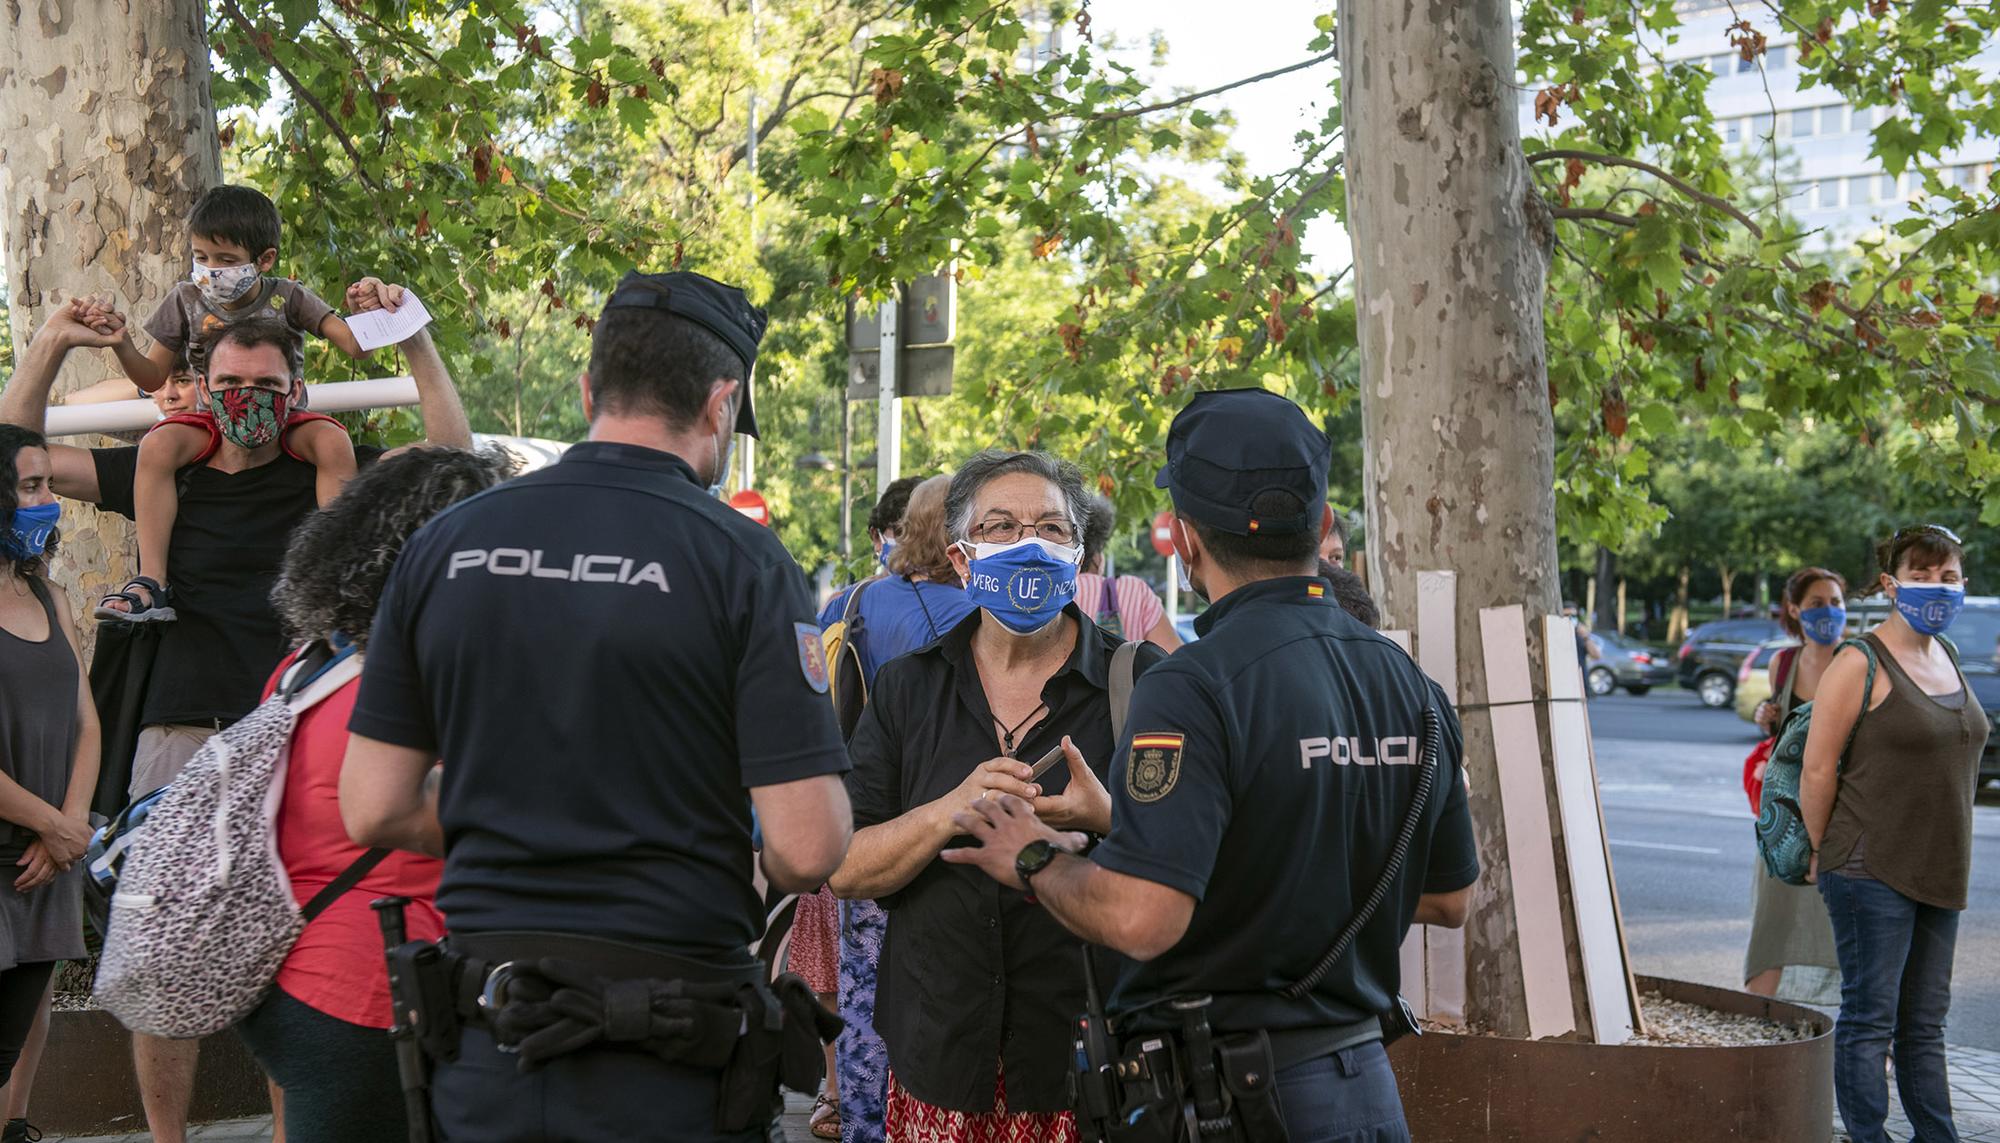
x,y
606,658
1275,776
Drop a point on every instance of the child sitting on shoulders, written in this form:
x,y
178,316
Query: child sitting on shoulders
x,y
234,232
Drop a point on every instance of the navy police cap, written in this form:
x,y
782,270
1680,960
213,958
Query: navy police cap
x,y
722,310
1229,446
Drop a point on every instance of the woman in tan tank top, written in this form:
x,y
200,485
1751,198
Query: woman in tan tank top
x,y
1891,826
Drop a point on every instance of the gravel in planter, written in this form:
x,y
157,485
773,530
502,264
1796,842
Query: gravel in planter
x,y
1678,1024
1675,1024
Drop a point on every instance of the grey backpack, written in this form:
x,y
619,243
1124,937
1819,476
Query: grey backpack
x,y
203,914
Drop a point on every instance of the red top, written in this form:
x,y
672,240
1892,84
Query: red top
x,y
337,965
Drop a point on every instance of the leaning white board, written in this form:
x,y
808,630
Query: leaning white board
x,y
1437,654
1583,840
1524,811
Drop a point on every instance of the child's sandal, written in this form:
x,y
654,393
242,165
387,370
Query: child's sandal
x,y
155,607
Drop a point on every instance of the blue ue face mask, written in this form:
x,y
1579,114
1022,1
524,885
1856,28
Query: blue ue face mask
x,y
1929,608
1025,584
29,534
1823,625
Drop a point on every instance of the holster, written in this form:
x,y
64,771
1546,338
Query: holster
x,y
1250,1074
782,1043
548,995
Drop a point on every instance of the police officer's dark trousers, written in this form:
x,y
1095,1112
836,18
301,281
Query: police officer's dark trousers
x,y
604,1095
1347,1097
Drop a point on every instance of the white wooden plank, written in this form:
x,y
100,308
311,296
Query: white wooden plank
x,y
1437,654
1524,811
1504,630
1437,628
1412,955
1565,673
1603,950
1399,638
1444,972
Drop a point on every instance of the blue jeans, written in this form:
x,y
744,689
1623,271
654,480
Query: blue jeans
x,y
1347,1097
1895,989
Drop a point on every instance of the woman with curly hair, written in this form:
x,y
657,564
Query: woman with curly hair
x,y
320,1032
48,749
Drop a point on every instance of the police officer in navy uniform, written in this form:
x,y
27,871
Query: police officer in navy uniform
x,y
1266,772
605,657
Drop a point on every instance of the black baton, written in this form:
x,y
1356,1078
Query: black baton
x,y
403,1024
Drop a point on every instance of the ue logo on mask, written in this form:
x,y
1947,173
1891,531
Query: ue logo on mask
x,y
1937,612
1027,588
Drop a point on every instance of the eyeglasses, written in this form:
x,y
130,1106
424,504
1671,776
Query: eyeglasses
x,y
1913,532
1007,531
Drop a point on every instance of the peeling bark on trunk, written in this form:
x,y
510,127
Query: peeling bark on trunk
x,y
107,135
1451,247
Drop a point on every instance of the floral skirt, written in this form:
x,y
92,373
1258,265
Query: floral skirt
x,y
911,1120
815,947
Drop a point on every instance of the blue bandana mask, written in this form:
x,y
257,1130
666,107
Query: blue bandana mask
x,y
882,557
1824,625
29,534
1025,584
1929,608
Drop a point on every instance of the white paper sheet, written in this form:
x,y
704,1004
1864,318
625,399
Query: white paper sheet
x,y
378,328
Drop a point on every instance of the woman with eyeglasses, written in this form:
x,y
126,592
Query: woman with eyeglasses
x,y
978,985
1889,813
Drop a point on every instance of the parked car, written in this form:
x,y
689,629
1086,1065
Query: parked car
x,y
1753,678
1708,662
1976,634
1623,661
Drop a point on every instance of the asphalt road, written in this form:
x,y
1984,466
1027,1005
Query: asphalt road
x,y
1671,776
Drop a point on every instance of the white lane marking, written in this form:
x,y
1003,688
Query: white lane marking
x,y
1665,846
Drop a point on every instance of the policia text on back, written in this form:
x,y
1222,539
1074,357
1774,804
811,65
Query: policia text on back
x,y
1187,1085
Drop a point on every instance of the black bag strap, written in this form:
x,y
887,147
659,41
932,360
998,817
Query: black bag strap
x,y
1398,856
349,877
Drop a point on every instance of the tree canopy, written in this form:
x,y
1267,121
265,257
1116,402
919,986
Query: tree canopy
x,y
510,160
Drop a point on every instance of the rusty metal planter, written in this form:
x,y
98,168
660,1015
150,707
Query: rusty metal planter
x,y
1458,1089
86,1085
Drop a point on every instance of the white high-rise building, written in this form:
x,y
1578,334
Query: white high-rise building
x,y
1829,180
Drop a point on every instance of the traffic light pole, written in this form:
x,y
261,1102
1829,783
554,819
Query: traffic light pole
x,y
889,426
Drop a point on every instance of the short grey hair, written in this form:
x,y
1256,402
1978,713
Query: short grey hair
x,y
992,464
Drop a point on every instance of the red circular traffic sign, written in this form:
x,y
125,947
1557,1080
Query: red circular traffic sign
x,y
751,503
1163,534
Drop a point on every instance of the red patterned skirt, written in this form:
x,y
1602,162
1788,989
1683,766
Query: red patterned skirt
x,y
908,1119
815,947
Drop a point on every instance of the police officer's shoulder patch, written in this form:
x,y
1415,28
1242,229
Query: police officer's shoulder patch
x,y
1153,766
812,655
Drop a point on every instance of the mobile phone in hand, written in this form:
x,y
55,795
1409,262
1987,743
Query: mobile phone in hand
x,y
1046,763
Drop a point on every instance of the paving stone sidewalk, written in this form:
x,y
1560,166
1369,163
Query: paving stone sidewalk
x,y
1975,1100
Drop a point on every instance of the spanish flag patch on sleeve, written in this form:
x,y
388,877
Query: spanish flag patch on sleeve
x,y
1154,765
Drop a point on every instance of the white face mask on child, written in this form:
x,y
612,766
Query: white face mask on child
x,y
222,285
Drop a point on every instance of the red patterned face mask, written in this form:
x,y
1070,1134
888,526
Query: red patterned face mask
x,y
249,417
